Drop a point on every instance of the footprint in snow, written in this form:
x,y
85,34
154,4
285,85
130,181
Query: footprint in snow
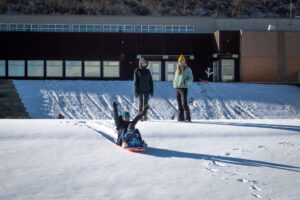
x,y
253,187
218,164
286,143
261,147
242,180
240,149
211,169
256,195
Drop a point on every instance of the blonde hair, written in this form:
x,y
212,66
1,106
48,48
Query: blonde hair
x,y
179,70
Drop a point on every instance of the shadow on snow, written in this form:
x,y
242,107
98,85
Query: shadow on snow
x,y
243,124
165,153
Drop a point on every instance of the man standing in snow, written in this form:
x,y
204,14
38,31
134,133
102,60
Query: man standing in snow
x,y
183,77
143,85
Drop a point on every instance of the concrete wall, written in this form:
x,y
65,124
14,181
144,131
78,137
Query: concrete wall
x,y
269,56
293,55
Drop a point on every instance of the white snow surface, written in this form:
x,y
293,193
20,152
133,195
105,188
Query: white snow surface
x,y
206,159
46,99
243,143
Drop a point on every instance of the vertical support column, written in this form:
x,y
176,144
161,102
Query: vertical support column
x,y
281,57
64,69
163,70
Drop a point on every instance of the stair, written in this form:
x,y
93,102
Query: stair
x,y
11,106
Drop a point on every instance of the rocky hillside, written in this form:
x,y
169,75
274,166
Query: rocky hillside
x,y
214,8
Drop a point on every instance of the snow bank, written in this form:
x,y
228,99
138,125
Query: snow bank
x,y
93,99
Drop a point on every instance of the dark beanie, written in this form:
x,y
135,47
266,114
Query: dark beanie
x,y
125,113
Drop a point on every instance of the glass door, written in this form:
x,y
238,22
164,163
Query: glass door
x,y
170,70
2,68
155,68
228,70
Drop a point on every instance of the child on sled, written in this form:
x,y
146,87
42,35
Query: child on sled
x,y
127,133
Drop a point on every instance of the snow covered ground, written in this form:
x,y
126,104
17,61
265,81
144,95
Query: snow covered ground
x,y
93,100
207,159
244,143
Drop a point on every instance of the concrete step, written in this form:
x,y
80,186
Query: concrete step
x,y
11,106
6,81
10,95
6,85
15,114
12,109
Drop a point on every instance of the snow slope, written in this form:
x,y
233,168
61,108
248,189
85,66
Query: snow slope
x,y
206,159
241,148
46,99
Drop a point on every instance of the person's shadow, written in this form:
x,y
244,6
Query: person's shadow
x,y
165,153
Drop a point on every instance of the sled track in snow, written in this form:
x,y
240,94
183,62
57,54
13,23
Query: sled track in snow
x,y
227,111
208,100
52,88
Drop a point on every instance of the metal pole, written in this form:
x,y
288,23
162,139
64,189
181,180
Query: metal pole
x,y
291,14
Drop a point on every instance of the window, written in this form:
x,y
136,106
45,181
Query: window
x,y
159,29
145,28
35,27
138,28
35,68
90,28
170,70
12,27
190,28
58,28
2,68
44,27
27,27
129,28
51,27
82,28
111,69
3,27
16,68
168,29
92,69
20,27
54,68
73,69
155,68
175,29
114,28
228,70
106,28
67,28
151,28
98,28
75,28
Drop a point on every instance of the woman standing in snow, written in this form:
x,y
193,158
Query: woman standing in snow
x,y
183,77
143,85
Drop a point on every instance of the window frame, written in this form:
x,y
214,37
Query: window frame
x,y
104,67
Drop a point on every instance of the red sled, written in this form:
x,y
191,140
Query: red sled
x,y
135,149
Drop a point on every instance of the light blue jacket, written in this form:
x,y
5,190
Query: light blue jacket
x,y
183,80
